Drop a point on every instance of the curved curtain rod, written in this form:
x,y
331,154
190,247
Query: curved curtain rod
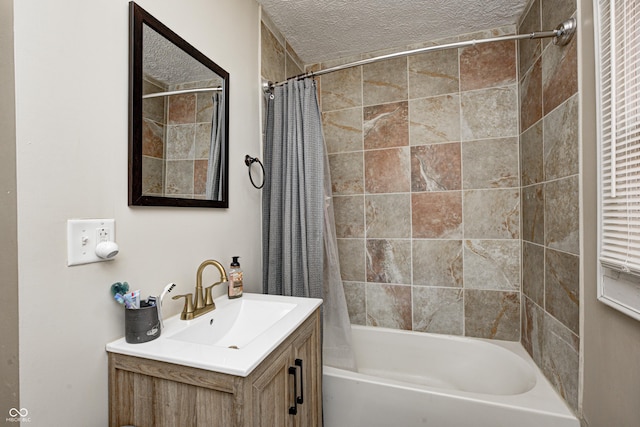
x,y
562,36
178,92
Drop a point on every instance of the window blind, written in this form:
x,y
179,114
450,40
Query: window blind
x,y
619,61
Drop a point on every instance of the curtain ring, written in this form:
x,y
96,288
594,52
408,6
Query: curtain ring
x,y
248,160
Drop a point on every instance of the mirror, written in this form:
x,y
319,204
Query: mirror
x,y
178,119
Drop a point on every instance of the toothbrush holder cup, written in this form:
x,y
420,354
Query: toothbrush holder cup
x,y
141,324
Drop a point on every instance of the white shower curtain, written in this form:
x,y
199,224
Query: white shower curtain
x,y
300,255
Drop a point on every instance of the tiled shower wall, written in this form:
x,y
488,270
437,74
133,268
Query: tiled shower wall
x,y
549,147
432,157
279,60
424,156
153,140
176,140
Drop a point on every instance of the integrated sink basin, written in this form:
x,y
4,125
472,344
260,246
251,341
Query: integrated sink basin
x,y
233,339
236,324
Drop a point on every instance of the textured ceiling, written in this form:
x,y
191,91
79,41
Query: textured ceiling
x,y
168,64
320,30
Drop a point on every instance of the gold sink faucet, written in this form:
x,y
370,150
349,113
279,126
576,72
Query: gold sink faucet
x,y
203,302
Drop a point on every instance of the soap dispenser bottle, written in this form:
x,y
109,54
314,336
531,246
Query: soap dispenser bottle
x,y
235,279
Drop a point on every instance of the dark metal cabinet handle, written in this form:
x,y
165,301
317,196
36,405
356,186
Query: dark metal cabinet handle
x,y
300,399
293,410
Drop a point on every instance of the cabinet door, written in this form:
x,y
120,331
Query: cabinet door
x,y
273,394
306,360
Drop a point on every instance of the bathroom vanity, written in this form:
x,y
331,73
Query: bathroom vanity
x,y
182,380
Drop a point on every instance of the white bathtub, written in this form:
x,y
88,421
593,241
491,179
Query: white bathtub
x,y
416,379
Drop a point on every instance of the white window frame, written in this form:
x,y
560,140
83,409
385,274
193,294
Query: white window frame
x,y
618,283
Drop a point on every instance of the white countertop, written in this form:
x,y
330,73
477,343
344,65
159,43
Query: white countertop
x,y
232,361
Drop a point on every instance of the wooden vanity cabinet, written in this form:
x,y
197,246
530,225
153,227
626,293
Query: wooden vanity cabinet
x,y
292,383
144,392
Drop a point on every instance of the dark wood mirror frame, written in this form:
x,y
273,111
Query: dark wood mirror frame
x,y
138,17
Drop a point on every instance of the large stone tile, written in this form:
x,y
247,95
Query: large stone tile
x,y
292,63
488,65
533,329
492,264
529,50
347,172
490,33
387,171
490,163
339,61
389,306
555,12
562,215
433,73
352,259
388,216
153,108
492,314
204,107
491,214
152,176
559,74
437,263
355,294
181,109
533,214
438,310
349,216
389,261
200,177
203,141
341,89
489,113
436,167
179,177
152,139
562,288
343,130
435,119
554,348
561,146
531,155
531,96
180,144
437,215
385,81
533,272
273,62
386,125
561,360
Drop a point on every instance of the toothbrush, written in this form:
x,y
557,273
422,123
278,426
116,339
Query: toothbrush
x,y
166,290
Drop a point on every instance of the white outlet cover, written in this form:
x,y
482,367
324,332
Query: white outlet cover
x,y
82,239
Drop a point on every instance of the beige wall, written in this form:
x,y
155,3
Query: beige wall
x,y
611,340
71,119
9,390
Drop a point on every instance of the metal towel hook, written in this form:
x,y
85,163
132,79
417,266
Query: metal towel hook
x,y
248,160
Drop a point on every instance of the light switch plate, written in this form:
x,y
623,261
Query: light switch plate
x,y
83,235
